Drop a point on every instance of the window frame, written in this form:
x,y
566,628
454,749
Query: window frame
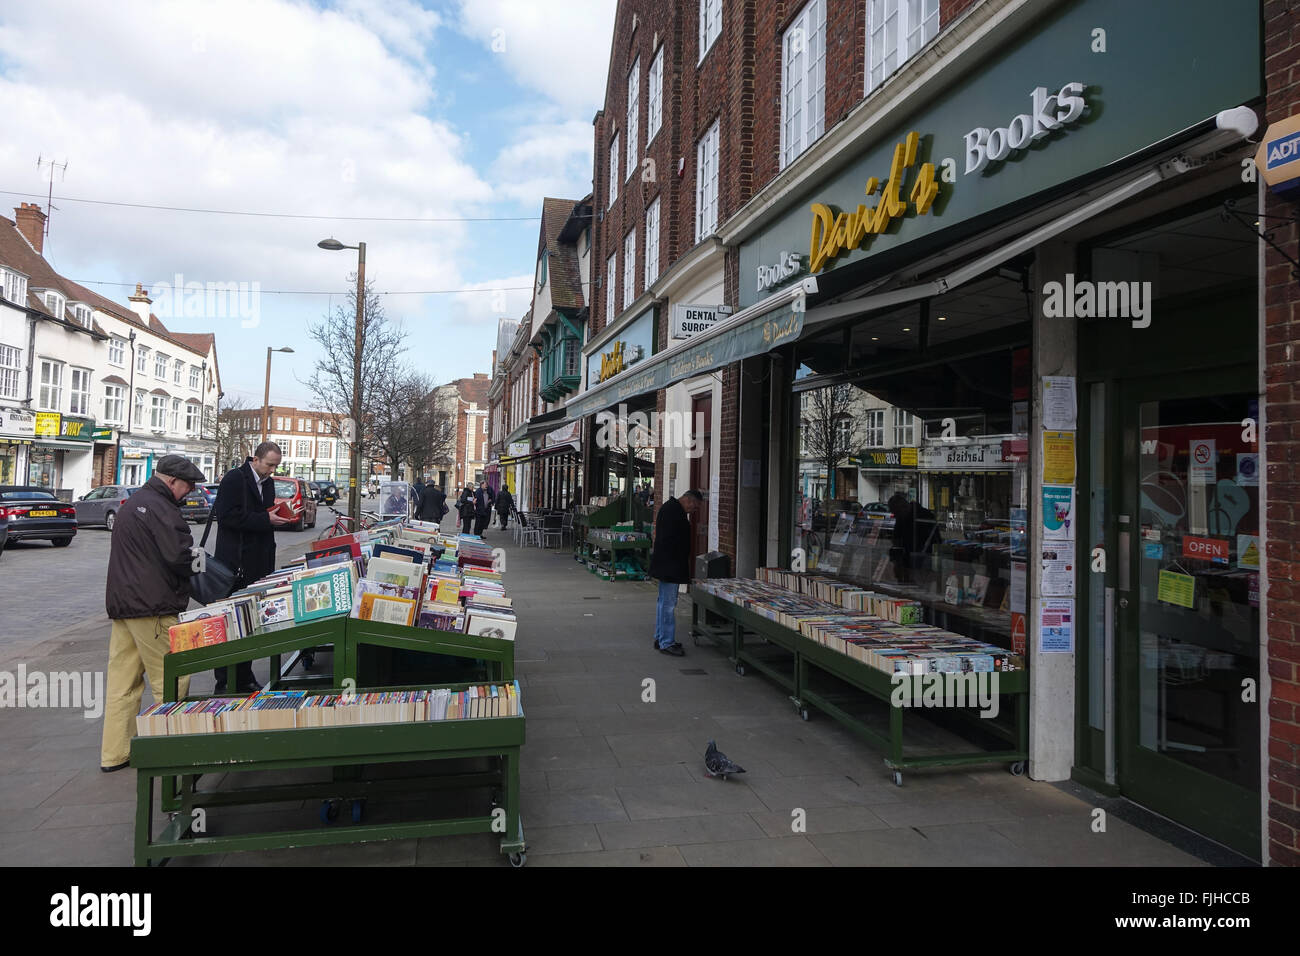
x,y
652,242
114,396
157,413
899,11
79,399
875,428
706,40
629,268
633,117
49,386
161,360
142,359
812,77
613,171
193,418
118,344
654,96
611,281
196,378
11,372
706,190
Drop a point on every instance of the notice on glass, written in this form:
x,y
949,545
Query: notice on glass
x,y
1175,588
1056,627
1058,570
1059,403
1058,458
1058,514
1019,578
1202,460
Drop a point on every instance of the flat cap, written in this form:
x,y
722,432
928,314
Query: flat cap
x,y
178,466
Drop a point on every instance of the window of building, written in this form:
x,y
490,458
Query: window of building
x,y
803,81
139,407
844,431
654,97
80,392
142,359
902,427
15,287
54,302
710,24
178,370
629,268
613,170
158,413
192,420
633,116
51,392
196,380
160,365
113,403
610,268
652,243
304,449
176,415
117,351
896,31
706,183
81,313
11,371
324,449
875,430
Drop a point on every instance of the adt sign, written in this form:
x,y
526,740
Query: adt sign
x,y
1278,157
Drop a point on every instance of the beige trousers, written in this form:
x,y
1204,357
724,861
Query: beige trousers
x,y
136,648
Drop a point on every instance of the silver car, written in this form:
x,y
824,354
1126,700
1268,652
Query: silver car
x,y
102,504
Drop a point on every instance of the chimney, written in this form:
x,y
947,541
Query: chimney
x,y
140,303
31,223
481,375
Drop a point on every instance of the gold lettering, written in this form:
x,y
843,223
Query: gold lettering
x,y
823,222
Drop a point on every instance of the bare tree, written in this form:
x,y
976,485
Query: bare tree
x,y
407,424
235,439
381,365
831,433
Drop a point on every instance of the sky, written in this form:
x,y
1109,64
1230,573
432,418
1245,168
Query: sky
x,y
464,109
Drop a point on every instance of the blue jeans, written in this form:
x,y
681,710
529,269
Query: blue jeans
x,y
666,614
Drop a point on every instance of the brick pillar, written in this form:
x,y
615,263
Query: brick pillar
x,y
1282,455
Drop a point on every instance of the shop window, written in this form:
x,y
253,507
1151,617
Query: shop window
x,y
896,31
51,391
11,371
820,355
803,80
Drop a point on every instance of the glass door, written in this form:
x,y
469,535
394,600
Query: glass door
x,y
1187,614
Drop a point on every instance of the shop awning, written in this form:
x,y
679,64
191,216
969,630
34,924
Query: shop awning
x,y
763,326
570,447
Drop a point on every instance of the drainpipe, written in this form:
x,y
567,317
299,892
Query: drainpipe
x,y
31,355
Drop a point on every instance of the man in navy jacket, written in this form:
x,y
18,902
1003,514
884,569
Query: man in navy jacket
x,y
670,562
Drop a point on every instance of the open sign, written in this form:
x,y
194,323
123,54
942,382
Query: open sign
x,y
1206,549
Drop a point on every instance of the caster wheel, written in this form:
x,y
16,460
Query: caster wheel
x,y
898,778
329,811
804,713
1017,768
518,859
358,807
740,669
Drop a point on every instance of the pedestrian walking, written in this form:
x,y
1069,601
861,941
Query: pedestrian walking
x,y
465,509
483,500
246,533
433,505
670,563
505,505
150,563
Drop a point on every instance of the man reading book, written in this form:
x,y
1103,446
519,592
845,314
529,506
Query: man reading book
x,y
670,562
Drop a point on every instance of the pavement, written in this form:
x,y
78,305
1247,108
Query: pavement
x,y
608,777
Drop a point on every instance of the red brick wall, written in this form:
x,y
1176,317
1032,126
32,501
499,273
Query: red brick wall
x,y
950,10
1282,452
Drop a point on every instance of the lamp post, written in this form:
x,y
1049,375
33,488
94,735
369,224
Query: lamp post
x,y
354,487
266,395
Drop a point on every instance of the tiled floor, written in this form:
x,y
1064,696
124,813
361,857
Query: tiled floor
x,y
612,774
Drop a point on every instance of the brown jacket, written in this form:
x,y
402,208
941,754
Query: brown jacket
x,y
150,561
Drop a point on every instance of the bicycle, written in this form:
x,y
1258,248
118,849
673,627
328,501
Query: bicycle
x,y
346,524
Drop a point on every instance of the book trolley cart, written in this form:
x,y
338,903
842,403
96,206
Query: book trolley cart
x,y
809,657
612,560
179,760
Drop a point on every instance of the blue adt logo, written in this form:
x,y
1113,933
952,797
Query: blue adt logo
x,y
1283,150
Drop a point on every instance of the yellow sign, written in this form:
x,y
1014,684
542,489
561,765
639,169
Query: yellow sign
x,y
47,424
908,457
1175,588
832,234
611,363
1058,458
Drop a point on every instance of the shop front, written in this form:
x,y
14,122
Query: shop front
x,y
17,431
61,457
1020,396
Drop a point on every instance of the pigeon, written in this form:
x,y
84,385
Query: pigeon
x,y
719,764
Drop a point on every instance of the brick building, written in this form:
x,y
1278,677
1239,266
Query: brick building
x,y
465,399
309,443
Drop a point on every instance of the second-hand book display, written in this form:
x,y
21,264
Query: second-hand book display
x,y
398,572
881,631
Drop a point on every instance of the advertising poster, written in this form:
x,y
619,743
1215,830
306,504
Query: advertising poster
x,y
1058,403
1248,551
1056,627
394,498
1058,570
1058,514
1058,458
1177,589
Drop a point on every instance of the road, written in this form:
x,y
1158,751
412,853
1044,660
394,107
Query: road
x,y
46,590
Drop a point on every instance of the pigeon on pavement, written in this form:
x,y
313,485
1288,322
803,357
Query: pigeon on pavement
x,y
719,764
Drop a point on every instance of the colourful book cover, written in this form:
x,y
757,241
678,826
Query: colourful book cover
x,y
202,633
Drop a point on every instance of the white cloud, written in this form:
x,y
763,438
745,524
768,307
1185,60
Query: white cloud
x,y
545,160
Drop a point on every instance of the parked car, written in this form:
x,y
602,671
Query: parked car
x,y
196,506
329,492
298,495
210,492
32,512
4,530
102,504
314,487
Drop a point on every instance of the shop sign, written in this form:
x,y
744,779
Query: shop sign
x,y
1278,157
980,456
77,429
16,421
134,453
832,234
102,434
47,424
633,342
618,359
517,448
1206,549
690,320
1049,113
887,458
788,265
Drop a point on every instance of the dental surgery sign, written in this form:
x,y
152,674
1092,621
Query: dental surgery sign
x,y
1278,158
1060,100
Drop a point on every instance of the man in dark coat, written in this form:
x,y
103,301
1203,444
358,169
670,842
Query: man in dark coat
x,y
150,563
505,503
433,505
417,493
246,532
465,510
670,562
483,500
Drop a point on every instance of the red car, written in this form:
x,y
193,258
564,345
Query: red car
x,y
296,492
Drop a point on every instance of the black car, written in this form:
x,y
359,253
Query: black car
x,y
329,492
32,512
195,506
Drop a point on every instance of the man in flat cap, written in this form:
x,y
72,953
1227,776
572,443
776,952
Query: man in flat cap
x,y
149,568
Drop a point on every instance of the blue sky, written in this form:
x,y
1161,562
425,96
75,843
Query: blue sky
x,y
385,108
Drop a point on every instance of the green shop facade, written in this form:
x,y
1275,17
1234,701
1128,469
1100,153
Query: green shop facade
x,y
1023,386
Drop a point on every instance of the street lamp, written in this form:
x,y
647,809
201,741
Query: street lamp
x,y
266,395
354,488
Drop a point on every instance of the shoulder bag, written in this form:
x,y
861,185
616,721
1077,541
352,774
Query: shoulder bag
x,y
217,581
